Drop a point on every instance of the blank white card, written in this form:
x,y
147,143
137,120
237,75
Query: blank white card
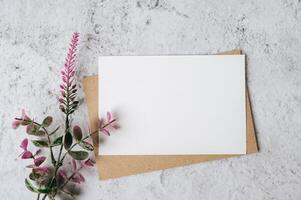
x,y
174,105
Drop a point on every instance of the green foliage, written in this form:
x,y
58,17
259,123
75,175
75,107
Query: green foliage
x,y
68,140
30,187
57,141
78,155
47,121
33,129
85,145
40,143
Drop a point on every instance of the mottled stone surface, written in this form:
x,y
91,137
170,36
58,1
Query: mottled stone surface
x,y
34,37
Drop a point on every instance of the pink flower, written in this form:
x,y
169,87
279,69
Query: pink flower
x,y
25,154
67,75
20,121
89,163
78,178
62,173
111,122
38,161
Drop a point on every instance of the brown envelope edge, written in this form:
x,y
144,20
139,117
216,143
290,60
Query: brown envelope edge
x,y
109,167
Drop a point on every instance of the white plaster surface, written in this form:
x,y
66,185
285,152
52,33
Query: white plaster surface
x,y
34,37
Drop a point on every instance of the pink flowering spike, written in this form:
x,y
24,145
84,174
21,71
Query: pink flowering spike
x,y
68,73
40,170
26,155
24,144
38,161
109,116
89,163
105,131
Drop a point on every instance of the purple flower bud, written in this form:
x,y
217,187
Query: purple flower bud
x,y
38,161
77,133
27,155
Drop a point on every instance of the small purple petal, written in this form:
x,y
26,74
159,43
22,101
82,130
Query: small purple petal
x,y
82,178
72,73
109,116
77,132
26,155
24,144
114,125
74,164
78,178
16,124
38,161
63,73
105,131
75,179
63,174
89,162
63,93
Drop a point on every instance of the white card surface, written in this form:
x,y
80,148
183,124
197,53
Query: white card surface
x,y
174,105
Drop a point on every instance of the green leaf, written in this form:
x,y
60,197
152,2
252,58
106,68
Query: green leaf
x,y
34,176
78,155
47,121
33,129
85,145
40,133
57,141
29,186
40,143
68,140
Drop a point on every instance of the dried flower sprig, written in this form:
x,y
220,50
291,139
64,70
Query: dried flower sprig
x,y
68,86
50,180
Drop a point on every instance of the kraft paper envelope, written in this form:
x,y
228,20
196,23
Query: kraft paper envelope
x,y
115,166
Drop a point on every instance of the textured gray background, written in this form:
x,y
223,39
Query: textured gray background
x,y
34,37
